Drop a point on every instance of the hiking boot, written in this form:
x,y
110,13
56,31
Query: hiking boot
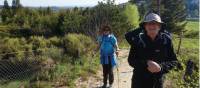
x,y
104,86
110,86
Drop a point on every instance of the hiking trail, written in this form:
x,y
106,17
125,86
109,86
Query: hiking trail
x,y
125,75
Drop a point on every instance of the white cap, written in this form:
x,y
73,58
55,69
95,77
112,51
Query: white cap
x,y
152,17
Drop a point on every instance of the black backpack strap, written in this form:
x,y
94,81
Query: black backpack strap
x,y
165,36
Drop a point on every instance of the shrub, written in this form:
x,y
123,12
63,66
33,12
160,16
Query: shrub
x,y
38,44
54,53
13,48
55,41
77,45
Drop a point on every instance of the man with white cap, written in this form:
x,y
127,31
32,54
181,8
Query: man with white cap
x,y
151,54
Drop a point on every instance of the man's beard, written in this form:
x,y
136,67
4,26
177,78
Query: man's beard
x,y
155,31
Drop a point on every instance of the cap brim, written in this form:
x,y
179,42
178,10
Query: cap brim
x,y
152,20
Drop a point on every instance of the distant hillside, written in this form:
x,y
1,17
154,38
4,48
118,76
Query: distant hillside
x,y
1,6
192,8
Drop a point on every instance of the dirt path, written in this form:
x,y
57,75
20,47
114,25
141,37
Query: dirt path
x,y
125,75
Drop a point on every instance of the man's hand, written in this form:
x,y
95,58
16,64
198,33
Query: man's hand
x,y
117,53
153,67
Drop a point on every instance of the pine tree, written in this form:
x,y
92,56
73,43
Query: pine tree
x,y
6,6
59,25
16,4
173,13
5,12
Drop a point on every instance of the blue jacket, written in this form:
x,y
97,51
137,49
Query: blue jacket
x,y
107,43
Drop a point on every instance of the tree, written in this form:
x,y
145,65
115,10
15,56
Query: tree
x,y
16,4
6,6
60,24
142,6
132,14
173,13
111,14
5,13
48,10
192,8
73,22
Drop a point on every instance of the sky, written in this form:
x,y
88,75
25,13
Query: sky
x,y
45,3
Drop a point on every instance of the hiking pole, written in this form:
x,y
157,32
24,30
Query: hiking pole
x,y
118,72
118,75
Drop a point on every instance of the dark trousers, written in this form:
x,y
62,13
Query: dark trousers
x,y
108,72
146,81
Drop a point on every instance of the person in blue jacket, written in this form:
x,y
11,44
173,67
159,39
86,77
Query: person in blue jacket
x,y
151,54
107,43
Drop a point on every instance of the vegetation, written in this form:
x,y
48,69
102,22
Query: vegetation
x,y
192,29
189,50
58,46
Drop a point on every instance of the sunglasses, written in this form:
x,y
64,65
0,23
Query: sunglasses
x,y
106,30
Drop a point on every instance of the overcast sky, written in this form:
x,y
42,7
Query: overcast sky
x,y
37,3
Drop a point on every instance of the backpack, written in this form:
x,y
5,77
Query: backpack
x,y
109,40
135,36
164,36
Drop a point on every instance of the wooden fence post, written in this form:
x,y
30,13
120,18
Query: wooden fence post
x,y
180,41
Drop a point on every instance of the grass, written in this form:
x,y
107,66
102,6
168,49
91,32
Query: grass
x,y
15,84
189,50
192,25
192,29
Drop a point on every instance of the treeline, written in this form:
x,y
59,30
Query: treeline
x,y
46,22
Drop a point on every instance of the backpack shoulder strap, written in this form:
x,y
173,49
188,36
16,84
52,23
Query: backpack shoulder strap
x,y
141,39
110,40
165,36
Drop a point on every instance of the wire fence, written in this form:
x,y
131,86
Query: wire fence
x,y
13,69
26,67
29,67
